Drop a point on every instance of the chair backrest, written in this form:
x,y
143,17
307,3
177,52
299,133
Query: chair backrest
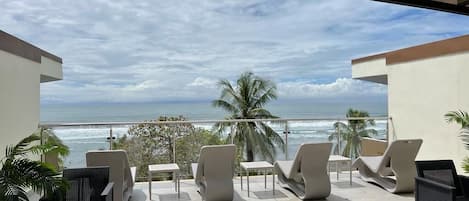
x,y
216,161
313,156
86,184
441,171
400,155
372,147
118,162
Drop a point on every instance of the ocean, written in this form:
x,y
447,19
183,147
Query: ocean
x,y
81,139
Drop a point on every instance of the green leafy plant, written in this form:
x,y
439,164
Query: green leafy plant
x,y
59,150
150,143
246,100
462,118
20,173
352,132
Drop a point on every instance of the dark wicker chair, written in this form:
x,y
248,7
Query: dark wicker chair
x,y
438,181
90,183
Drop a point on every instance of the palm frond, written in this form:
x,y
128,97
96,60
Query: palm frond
x,y
22,147
50,138
460,117
38,175
261,113
225,105
269,95
273,136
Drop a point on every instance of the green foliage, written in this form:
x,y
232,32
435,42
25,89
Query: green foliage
x,y
246,100
462,118
465,164
352,132
19,172
154,144
55,146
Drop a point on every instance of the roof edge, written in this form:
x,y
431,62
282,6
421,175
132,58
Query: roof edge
x,y
424,51
18,47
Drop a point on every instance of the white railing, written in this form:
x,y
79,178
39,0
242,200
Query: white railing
x,y
284,127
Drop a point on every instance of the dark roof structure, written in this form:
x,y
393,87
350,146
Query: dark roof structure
x,y
452,6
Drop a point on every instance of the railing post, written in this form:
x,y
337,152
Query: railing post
x,y
232,134
339,140
286,132
174,144
387,128
110,137
42,142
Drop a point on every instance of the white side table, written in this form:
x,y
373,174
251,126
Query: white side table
x,y
338,159
170,168
261,165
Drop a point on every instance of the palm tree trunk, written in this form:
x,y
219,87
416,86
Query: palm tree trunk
x,y
249,151
250,155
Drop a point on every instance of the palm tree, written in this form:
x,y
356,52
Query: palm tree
x,y
462,118
19,172
353,131
246,100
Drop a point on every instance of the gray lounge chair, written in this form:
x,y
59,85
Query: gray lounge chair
x,y
214,172
121,174
307,175
395,170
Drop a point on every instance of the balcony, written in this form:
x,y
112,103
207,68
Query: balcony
x,y
293,132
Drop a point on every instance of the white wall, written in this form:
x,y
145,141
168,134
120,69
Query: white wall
x,y
371,68
420,93
50,70
19,98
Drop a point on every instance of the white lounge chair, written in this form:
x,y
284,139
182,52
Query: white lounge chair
x,y
372,147
121,174
214,172
395,170
307,175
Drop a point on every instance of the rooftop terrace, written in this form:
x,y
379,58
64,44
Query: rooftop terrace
x,y
341,190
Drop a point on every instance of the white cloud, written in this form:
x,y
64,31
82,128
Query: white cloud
x,y
342,87
164,50
203,82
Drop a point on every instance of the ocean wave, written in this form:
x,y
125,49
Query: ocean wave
x,y
88,133
312,128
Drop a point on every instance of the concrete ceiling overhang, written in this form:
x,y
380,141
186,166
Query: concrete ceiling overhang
x,y
452,6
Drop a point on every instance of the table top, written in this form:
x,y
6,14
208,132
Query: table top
x,y
338,158
171,167
256,165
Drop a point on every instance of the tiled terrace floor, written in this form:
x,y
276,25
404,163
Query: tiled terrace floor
x,y
341,190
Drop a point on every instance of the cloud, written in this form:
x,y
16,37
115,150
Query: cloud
x,y
342,87
128,51
203,82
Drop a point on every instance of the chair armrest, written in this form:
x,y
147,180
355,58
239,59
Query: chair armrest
x,y
133,171
108,189
428,190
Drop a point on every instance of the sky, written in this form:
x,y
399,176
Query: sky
x,y
160,50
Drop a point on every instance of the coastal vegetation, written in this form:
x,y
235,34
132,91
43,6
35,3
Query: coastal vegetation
x,y
153,142
352,131
19,172
56,155
246,100
462,118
